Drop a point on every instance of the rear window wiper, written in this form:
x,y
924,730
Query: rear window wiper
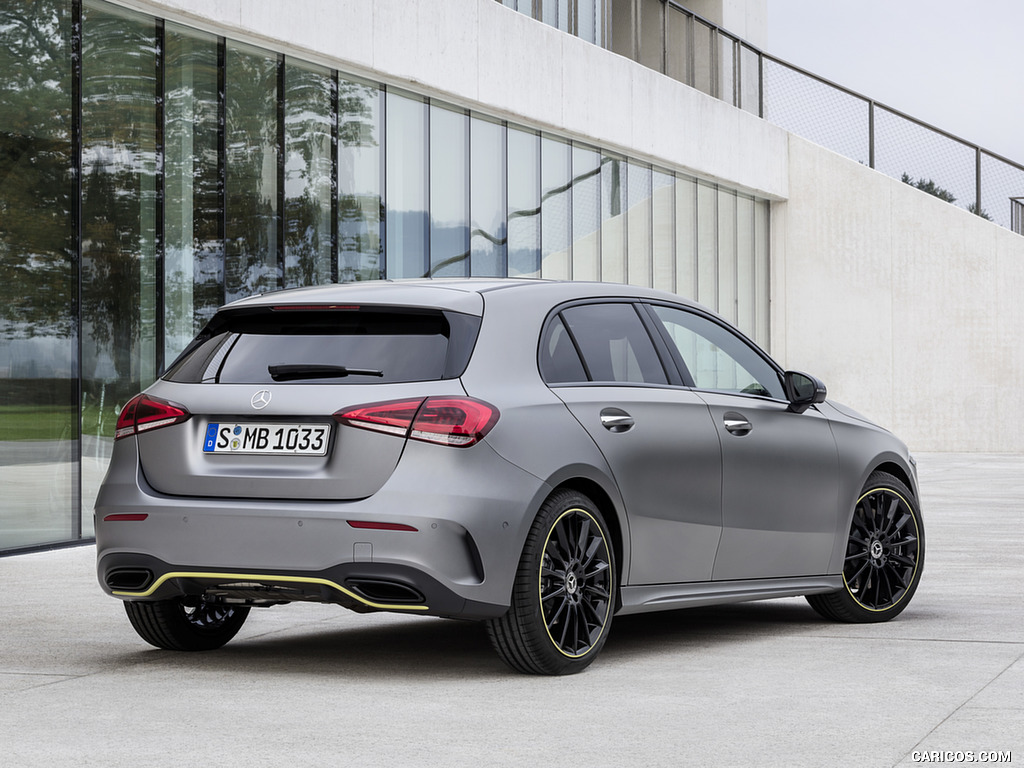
x,y
294,372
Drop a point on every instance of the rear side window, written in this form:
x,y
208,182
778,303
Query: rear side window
x,y
614,343
355,345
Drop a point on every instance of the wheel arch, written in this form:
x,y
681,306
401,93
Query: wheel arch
x,y
609,511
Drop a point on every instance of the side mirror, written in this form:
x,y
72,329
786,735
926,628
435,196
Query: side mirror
x,y
803,391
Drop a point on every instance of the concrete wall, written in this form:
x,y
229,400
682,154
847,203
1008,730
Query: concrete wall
x,y
910,309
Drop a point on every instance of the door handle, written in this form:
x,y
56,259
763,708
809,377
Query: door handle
x,y
616,420
737,424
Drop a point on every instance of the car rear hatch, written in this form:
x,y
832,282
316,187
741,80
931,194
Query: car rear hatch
x,y
261,386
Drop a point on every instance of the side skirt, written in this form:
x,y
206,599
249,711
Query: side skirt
x,y
667,597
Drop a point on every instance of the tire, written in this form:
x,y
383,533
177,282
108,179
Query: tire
x,y
564,591
884,555
186,624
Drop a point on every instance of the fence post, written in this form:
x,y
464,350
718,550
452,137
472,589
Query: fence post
x,y
871,134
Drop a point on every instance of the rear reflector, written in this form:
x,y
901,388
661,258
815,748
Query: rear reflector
x,y
125,518
144,412
454,421
381,526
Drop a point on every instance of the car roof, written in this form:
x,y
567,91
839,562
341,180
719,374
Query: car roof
x,y
457,294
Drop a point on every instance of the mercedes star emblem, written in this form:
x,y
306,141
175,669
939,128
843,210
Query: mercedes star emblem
x,y
261,399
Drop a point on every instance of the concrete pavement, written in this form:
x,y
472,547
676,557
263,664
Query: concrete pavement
x,y
746,685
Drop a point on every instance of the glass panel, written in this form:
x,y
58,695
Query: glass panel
x,y
488,242
717,358
587,20
614,343
726,69
119,183
556,13
623,28
727,254
308,171
750,80
652,34
586,214
746,296
677,45
38,281
663,229
251,167
703,57
686,237
360,246
193,250
707,245
559,360
523,203
639,225
554,216
449,193
407,223
613,219
762,273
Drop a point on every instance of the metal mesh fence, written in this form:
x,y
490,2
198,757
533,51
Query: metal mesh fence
x,y
816,110
925,158
1002,188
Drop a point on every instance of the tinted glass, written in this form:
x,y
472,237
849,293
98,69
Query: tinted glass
x,y
119,208
614,343
407,188
449,193
38,281
193,248
400,346
487,205
559,361
308,169
717,358
251,159
523,203
359,181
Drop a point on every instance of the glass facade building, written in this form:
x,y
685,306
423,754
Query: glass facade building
x,y
150,172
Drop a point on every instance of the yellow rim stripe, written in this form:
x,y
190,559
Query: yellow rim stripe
x,y
540,582
917,532
271,578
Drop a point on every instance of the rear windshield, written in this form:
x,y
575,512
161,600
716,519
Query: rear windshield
x,y
352,345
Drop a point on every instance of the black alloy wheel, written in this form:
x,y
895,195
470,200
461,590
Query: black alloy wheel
x,y
564,591
884,555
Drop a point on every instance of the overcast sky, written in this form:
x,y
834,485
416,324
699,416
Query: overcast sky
x,y
957,65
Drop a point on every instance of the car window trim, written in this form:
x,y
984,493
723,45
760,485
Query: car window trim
x,y
678,359
661,349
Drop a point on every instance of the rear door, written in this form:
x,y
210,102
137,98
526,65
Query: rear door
x,y
656,435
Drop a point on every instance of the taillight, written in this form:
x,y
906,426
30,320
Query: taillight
x,y
144,412
455,421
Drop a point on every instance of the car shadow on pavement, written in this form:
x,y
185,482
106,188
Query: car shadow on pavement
x,y
447,649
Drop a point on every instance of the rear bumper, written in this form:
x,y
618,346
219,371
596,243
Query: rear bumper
x,y
469,511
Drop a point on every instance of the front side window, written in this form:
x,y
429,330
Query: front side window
x,y
717,358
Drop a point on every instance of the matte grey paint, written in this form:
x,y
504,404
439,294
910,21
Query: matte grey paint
x,y
772,509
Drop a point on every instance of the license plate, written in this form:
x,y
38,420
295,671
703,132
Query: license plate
x,y
292,439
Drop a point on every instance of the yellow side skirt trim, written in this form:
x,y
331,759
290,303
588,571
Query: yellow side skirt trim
x,y
271,578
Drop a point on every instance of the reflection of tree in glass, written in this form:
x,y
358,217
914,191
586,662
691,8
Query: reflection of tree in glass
x,y
37,285
118,197
360,206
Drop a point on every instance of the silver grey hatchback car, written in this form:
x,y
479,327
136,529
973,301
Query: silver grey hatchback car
x,y
541,456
